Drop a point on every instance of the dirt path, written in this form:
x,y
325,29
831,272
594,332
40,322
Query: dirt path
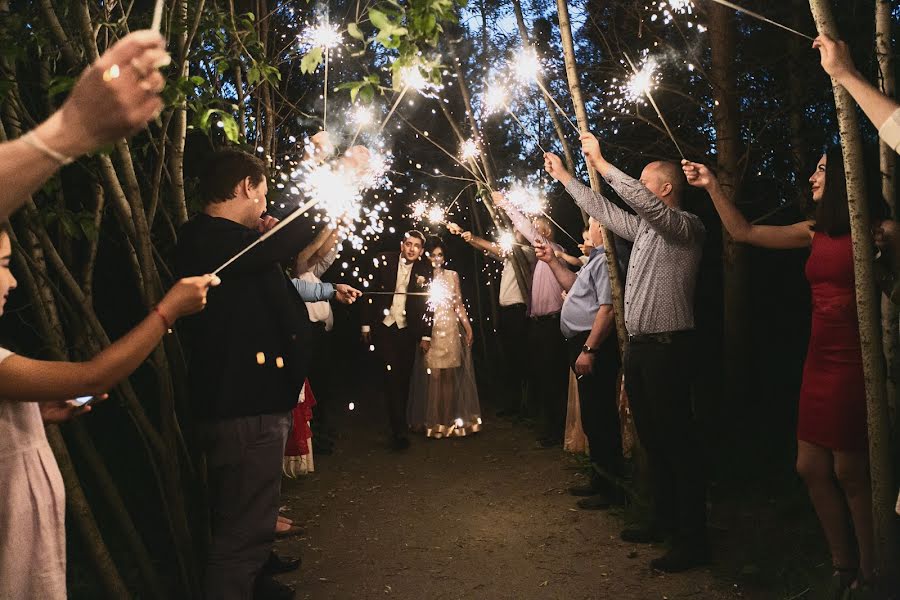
x,y
480,517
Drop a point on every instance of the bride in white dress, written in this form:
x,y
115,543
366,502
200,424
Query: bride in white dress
x,y
443,397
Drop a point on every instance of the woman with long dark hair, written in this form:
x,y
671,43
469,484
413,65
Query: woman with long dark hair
x,y
832,447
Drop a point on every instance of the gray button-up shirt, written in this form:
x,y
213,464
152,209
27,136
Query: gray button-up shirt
x,y
590,291
662,273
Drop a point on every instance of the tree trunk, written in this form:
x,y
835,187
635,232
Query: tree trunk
x,y
888,162
726,114
615,277
879,430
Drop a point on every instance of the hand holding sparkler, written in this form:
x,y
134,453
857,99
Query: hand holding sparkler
x,y
345,294
555,168
699,175
454,229
835,55
319,148
544,251
499,200
590,147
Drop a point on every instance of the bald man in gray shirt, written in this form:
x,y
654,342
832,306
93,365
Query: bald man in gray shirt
x,y
659,317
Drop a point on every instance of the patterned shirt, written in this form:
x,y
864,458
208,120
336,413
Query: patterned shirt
x,y
662,272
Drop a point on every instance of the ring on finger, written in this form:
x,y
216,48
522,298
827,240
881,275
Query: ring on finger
x,y
112,73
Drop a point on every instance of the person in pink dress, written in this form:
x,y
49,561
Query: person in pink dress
x,y
832,446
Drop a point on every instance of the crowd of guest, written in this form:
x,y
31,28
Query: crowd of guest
x,y
253,337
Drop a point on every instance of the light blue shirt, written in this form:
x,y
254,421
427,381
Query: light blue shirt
x,y
590,291
313,292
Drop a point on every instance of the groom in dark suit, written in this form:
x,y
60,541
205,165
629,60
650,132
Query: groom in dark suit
x,y
397,323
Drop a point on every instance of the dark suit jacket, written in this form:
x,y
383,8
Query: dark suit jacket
x,y
374,307
249,350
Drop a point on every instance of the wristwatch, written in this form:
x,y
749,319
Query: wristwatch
x,y
588,350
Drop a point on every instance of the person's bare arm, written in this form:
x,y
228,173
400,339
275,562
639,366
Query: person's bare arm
x,y
482,244
836,61
113,98
28,380
306,256
798,235
563,274
570,260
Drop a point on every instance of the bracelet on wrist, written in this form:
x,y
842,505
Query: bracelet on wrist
x,y
33,140
165,319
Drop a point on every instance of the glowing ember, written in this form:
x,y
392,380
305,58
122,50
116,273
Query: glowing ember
x,y
642,83
496,97
363,115
681,6
506,242
436,214
323,35
527,200
469,149
526,65
439,294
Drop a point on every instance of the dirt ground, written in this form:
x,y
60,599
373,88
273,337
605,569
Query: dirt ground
x,y
480,517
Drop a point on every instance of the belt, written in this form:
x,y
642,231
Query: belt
x,y
517,305
663,337
549,317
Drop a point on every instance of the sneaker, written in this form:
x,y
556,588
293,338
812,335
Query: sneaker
x,y
280,564
682,558
591,488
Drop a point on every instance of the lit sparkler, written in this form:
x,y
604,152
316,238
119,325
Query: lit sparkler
x,y
325,36
439,294
526,66
642,82
506,242
436,215
469,149
496,97
527,200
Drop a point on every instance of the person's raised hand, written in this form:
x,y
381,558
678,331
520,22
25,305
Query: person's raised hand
x,y
590,147
543,251
555,168
835,57
187,297
698,175
466,236
454,229
112,99
345,294
266,223
499,200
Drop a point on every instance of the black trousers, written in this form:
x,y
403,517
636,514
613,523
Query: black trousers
x,y
321,374
397,350
512,328
658,383
598,399
548,377
244,457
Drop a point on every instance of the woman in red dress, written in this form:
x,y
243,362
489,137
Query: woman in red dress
x,y
832,447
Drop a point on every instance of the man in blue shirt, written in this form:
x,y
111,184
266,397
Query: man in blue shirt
x,y
588,323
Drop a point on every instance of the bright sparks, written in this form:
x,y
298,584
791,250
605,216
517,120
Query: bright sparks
x,y
323,35
418,209
506,241
469,150
496,97
436,215
439,294
643,82
526,65
363,115
527,200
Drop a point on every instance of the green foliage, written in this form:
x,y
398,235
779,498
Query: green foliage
x,y
226,122
312,59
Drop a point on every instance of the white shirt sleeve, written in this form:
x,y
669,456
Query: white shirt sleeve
x,y
4,354
889,132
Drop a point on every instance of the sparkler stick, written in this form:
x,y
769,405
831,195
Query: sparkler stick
x,y
656,108
393,108
396,293
762,18
325,96
156,24
532,135
482,180
556,104
269,233
558,226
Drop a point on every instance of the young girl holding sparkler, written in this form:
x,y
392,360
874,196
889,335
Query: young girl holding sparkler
x,y
32,500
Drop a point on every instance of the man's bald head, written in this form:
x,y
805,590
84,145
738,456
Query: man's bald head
x,y
666,180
